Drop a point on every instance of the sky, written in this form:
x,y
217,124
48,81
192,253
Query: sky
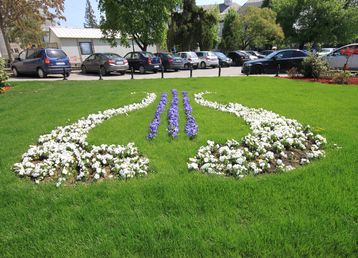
x,y
75,10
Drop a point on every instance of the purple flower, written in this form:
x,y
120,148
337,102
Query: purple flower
x,y
153,126
173,116
191,127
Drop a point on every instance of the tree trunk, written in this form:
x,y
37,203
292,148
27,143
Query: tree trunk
x,y
7,44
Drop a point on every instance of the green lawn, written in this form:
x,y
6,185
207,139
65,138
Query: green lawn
x,y
311,211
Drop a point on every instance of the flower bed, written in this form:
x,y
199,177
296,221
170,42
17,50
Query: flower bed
x,y
64,155
173,116
191,127
4,89
275,143
153,127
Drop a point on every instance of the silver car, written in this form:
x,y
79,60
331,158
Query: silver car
x,y
337,60
207,59
189,58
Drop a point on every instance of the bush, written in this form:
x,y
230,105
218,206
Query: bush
x,y
341,77
313,66
3,74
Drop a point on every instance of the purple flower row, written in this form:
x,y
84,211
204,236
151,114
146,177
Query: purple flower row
x,y
191,127
173,116
153,126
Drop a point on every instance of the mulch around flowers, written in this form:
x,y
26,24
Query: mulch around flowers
x,y
352,81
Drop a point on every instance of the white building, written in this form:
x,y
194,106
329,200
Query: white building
x,y
79,43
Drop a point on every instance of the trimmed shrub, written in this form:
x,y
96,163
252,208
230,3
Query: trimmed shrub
x,y
341,77
313,66
3,74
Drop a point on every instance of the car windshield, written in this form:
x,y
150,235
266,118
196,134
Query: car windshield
x,y
169,55
147,54
271,55
112,55
55,53
219,54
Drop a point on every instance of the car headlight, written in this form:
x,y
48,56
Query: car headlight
x,y
248,64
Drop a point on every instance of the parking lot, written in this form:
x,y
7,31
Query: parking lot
x,y
76,75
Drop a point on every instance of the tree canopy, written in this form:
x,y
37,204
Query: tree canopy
x,y
191,26
318,21
18,14
145,21
254,27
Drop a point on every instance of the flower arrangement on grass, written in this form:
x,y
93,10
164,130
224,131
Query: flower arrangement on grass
x,y
191,127
153,127
173,116
4,87
64,155
275,143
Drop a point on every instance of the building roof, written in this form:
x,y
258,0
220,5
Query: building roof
x,y
78,33
252,3
223,8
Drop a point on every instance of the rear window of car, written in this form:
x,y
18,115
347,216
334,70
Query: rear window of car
x,y
219,54
55,53
112,56
192,55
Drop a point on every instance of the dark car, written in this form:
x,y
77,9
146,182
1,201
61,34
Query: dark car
x,y
42,62
255,53
143,61
223,59
282,60
170,62
105,63
238,57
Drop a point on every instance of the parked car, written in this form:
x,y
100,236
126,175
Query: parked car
x,y
238,57
207,59
325,51
255,53
189,58
223,59
283,59
143,61
266,52
105,63
170,62
41,62
337,59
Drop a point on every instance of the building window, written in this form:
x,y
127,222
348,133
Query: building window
x,y
86,48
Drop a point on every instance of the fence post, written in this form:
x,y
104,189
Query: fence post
x,y
219,70
132,73
278,70
191,70
100,74
64,74
162,70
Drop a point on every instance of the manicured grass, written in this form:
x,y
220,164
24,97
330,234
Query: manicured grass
x,y
311,211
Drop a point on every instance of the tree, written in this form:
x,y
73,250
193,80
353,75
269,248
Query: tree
x,y
15,12
209,28
231,31
145,21
192,26
258,27
318,21
266,4
90,17
27,31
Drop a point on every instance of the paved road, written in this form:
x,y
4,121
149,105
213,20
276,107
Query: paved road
x,y
78,76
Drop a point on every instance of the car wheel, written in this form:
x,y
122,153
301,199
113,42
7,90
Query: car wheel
x,y
186,66
142,69
259,69
15,72
155,71
103,71
68,75
175,70
202,65
122,73
84,69
41,73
